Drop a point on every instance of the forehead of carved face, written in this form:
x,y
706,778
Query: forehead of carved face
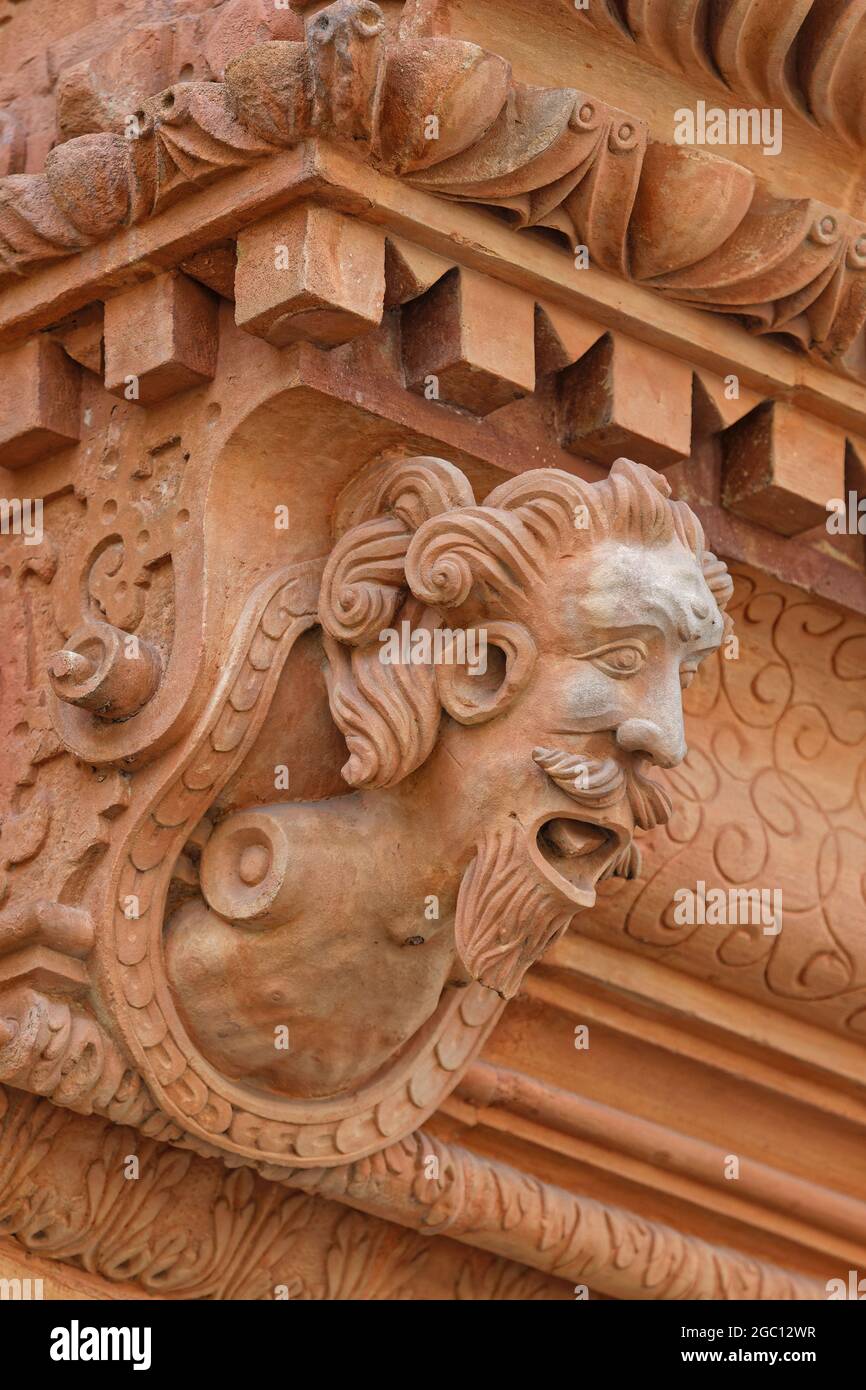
x,y
620,631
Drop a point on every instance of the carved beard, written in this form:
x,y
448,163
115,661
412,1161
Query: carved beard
x,y
506,916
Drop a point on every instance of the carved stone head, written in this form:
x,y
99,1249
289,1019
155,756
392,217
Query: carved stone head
x,y
592,605
504,675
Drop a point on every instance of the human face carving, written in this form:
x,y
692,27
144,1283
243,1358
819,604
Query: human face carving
x,y
619,633
617,648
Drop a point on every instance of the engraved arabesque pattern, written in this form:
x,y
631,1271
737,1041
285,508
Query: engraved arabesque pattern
x,y
771,796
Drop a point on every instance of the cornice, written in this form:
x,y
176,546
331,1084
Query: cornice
x,y
153,1221
805,56
505,1095
687,224
241,1235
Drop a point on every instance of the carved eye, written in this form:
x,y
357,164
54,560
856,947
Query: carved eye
x,y
620,659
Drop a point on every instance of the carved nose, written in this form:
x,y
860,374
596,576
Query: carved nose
x,y
665,746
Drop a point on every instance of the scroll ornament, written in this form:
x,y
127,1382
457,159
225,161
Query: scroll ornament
x,y
806,56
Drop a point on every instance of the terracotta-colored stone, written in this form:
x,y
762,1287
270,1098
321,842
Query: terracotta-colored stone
x,y
101,92
623,396
105,670
579,817
561,338
469,341
340,904
410,270
447,115
83,339
160,338
718,402
782,467
242,23
214,267
39,405
310,274
12,145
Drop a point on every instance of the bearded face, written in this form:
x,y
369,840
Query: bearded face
x,y
615,647
490,798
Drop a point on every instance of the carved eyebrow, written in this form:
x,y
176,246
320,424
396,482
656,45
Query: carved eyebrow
x,y
686,632
653,617
612,646
674,611
629,629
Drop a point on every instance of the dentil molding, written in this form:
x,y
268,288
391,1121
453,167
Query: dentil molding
x,y
448,117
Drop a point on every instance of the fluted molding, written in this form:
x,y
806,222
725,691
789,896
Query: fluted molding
x,y
806,56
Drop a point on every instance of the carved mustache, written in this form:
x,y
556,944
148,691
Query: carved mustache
x,y
599,782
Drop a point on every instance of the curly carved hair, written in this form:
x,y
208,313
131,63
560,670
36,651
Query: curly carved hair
x,y
413,544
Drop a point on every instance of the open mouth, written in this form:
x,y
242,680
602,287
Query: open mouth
x,y
575,854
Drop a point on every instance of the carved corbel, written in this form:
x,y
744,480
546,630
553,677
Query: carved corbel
x,y
443,626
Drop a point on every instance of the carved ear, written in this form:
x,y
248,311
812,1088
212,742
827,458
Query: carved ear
x,y
483,670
